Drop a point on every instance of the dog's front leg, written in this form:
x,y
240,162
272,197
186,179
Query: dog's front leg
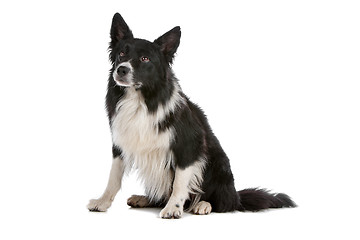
x,y
113,186
180,192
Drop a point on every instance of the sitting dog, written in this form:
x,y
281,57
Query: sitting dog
x,y
167,138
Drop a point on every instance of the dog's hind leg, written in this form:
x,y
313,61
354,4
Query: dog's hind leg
x,y
113,186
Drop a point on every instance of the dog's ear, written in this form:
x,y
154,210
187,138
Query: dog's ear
x,y
119,30
169,42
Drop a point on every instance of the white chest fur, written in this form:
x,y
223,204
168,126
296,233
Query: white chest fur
x,y
143,147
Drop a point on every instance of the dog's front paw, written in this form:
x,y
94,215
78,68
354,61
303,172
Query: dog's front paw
x,y
98,205
172,211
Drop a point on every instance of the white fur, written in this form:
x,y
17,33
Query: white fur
x,y
202,208
104,202
186,181
143,147
129,78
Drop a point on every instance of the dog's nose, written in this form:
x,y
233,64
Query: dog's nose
x,y
122,71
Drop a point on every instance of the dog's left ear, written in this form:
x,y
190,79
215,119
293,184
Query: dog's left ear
x,y
169,42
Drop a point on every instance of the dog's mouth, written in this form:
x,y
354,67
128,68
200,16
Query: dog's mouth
x,y
125,83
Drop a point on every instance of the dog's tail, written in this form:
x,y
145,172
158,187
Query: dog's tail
x,y
255,199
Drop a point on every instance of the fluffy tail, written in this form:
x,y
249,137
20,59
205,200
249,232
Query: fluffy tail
x,y
255,199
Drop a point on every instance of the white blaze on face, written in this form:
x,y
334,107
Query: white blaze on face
x,y
128,79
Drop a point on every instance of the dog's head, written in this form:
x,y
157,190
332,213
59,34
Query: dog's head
x,y
140,63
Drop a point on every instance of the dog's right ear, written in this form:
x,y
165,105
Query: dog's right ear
x,y
119,30
169,42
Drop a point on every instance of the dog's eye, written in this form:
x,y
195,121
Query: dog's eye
x,y
121,54
144,59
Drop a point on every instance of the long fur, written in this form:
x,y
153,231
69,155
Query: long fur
x,y
159,131
255,199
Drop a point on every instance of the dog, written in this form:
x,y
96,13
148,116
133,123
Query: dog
x,y
157,130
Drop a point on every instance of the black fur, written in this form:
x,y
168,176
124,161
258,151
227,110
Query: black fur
x,y
116,151
193,136
254,199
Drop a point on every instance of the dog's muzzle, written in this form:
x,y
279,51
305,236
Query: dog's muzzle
x,y
123,75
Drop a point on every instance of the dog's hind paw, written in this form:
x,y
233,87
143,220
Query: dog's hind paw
x,y
138,201
98,205
202,208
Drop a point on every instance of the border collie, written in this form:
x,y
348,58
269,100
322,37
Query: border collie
x,y
157,130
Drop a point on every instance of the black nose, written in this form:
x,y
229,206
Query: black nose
x,y
122,71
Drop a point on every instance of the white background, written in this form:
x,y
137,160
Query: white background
x,y
279,81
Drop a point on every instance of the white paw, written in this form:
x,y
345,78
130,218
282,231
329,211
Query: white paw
x,y
98,205
172,211
202,208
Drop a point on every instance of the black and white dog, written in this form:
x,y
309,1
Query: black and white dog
x,y
160,132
